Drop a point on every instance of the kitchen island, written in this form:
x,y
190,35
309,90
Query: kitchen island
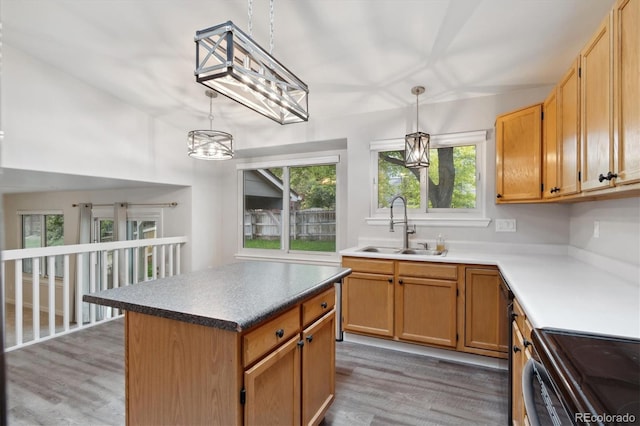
x,y
245,343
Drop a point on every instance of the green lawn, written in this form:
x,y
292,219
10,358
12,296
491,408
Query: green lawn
x,y
303,245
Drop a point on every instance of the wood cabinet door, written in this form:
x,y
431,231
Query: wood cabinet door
x,y
550,146
273,387
486,322
596,112
367,303
627,91
426,310
318,369
518,155
517,363
569,131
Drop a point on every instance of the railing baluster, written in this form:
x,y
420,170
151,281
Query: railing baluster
x,y
79,290
18,289
154,263
178,259
115,273
171,248
136,263
3,297
104,283
65,292
162,261
92,284
35,296
127,265
51,272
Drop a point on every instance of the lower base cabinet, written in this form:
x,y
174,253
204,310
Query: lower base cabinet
x,y
446,305
281,372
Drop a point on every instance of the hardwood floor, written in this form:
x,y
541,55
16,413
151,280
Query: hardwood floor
x,y
78,379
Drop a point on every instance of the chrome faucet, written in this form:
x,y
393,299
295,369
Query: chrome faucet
x,y
407,231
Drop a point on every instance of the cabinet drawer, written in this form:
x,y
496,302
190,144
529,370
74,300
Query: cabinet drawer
x,y
317,306
374,266
428,270
269,335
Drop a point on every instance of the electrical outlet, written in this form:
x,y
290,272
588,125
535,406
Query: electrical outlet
x,y
505,225
596,229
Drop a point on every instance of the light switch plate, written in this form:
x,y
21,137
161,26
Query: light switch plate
x,y
505,225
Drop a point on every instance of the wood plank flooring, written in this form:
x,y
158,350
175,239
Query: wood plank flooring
x,y
78,379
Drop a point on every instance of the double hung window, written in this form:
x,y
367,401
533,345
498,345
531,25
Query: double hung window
x,y
42,230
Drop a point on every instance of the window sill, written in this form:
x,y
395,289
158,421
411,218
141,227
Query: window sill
x,y
450,222
330,259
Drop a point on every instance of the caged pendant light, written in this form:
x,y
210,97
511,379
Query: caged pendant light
x,y
210,144
416,145
234,65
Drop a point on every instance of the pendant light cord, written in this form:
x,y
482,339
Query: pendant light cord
x,y
271,19
417,116
211,113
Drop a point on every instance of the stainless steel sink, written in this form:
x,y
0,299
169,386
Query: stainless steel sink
x,y
385,250
423,252
411,251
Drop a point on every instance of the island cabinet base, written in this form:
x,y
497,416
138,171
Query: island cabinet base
x,y
181,373
281,371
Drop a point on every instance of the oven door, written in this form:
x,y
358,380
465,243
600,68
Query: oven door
x,y
541,400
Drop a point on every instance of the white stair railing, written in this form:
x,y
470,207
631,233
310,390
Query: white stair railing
x,y
98,266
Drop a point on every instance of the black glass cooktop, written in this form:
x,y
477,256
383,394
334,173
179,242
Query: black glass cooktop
x,y
593,373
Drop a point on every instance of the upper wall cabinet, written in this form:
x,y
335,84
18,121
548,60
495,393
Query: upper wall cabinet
x,y
596,109
550,166
626,78
518,155
569,132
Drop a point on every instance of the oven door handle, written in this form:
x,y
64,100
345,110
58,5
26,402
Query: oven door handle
x,y
533,370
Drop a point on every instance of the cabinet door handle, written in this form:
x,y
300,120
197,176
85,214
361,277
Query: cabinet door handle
x,y
390,280
400,282
601,177
280,333
310,338
499,196
516,349
324,305
526,343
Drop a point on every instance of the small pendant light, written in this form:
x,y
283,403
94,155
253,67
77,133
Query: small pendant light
x,y
416,145
210,144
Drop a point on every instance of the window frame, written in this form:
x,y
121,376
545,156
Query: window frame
x,y
440,217
285,252
43,264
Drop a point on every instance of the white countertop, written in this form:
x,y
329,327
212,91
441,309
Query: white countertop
x,y
556,290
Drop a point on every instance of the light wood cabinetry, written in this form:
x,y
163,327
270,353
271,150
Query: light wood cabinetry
x,y
550,179
367,297
318,369
431,303
568,128
518,155
486,322
280,372
596,112
426,303
626,95
521,353
594,152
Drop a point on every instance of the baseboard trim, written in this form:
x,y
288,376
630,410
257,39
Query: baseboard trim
x,y
454,356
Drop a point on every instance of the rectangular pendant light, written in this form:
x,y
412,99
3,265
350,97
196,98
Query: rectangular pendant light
x,y
234,65
416,150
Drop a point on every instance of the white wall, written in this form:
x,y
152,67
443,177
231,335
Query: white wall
x,y
619,234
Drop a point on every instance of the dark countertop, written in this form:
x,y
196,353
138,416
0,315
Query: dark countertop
x,y
231,297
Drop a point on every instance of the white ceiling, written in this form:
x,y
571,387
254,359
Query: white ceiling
x,y
356,56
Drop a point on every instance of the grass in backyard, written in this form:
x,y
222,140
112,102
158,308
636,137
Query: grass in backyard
x,y
303,245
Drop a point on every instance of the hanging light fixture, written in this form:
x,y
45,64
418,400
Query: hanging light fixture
x,y
233,64
416,145
210,144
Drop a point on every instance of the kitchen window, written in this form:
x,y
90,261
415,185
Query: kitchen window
x,y
452,187
289,207
42,230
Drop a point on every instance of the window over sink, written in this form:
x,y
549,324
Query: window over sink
x,y
452,188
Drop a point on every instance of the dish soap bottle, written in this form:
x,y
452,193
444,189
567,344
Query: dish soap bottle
x,y
440,243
